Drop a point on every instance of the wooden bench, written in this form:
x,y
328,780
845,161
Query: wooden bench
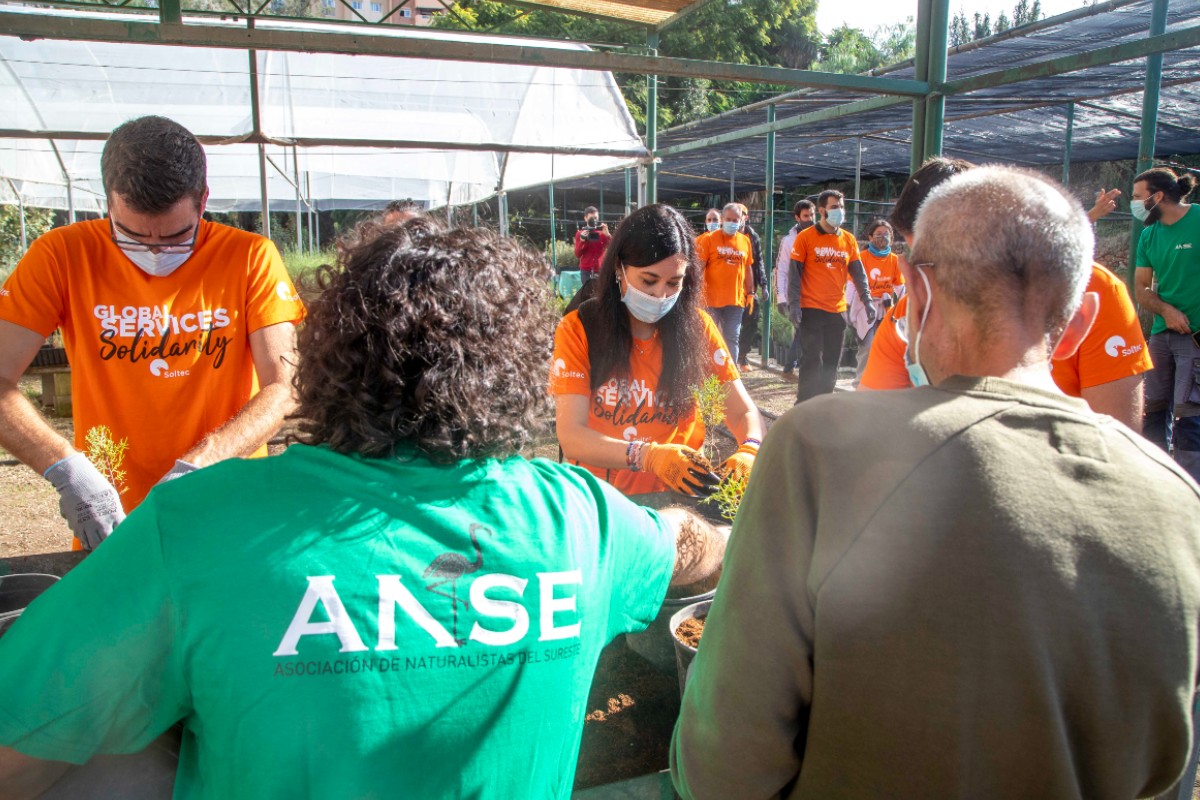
x,y
56,387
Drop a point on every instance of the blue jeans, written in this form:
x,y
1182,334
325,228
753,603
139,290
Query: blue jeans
x,y
729,322
1172,418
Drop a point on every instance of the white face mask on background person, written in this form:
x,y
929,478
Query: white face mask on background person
x,y
157,265
645,307
712,226
835,217
730,228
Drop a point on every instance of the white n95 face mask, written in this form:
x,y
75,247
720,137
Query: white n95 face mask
x,y
158,265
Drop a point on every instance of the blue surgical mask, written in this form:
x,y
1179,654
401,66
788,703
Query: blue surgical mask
x,y
730,228
887,251
712,226
158,265
1139,211
835,217
646,307
916,372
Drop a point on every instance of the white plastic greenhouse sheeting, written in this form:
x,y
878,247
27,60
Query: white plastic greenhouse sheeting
x,y
93,88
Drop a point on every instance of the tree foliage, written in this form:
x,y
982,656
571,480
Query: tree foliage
x,y
37,222
962,30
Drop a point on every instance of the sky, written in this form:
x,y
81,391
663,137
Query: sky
x,y
869,14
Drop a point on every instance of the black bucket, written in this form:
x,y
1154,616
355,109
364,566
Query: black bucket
x,y
685,654
17,592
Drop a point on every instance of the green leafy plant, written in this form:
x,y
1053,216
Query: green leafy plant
x,y
710,405
728,496
107,455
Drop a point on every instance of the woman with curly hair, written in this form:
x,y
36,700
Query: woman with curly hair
x,y
401,606
626,365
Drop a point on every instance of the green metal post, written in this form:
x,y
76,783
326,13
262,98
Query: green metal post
x,y
1158,25
475,215
768,241
652,123
921,72
602,202
935,103
627,190
553,242
1066,178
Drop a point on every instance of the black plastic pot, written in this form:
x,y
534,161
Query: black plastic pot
x,y
684,654
17,592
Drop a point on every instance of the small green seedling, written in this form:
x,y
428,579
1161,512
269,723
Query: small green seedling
x,y
107,455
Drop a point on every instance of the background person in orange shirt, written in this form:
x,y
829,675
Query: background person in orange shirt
x,y
824,258
887,285
725,257
627,361
1106,370
180,332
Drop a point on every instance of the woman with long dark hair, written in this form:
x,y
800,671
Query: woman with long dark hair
x,y
627,364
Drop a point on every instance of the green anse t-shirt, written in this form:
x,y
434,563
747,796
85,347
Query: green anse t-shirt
x,y
1173,252
336,627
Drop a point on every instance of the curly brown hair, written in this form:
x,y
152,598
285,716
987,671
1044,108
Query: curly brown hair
x,y
428,340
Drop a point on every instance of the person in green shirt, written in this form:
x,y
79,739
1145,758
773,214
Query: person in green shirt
x,y
1168,283
399,606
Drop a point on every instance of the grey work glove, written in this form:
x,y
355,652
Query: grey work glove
x,y
88,502
872,317
180,468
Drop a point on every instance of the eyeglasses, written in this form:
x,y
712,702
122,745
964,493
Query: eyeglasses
x,y
132,246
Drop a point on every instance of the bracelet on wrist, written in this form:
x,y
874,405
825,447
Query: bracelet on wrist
x,y
753,442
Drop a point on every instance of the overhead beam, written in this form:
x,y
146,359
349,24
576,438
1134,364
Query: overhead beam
x,y
388,144
822,115
147,30
1162,43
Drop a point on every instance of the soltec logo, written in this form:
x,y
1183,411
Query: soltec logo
x,y
1115,347
629,433
875,273
720,357
5,293
284,290
159,368
559,366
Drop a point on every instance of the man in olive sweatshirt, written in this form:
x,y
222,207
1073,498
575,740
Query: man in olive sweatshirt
x,y
1003,602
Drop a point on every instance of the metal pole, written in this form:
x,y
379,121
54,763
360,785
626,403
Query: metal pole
x,y
652,123
602,202
312,244
264,199
475,215
1158,25
502,202
317,224
256,125
299,198
935,104
858,186
921,72
70,200
553,242
769,241
627,191
1066,178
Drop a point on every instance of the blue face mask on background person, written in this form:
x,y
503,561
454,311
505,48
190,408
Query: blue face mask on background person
x,y
1139,211
877,252
712,226
835,216
730,228
158,265
645,307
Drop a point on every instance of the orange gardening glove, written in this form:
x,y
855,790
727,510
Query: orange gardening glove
x,y
681,468
740,463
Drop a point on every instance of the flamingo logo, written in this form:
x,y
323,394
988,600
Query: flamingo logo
x,y
720,357
448,568
1113,346
158,366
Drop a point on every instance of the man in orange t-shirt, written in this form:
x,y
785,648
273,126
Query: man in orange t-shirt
x,y
725,258
824,258
180,332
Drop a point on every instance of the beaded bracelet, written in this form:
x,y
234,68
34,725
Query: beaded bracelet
x,y
750,441
633,452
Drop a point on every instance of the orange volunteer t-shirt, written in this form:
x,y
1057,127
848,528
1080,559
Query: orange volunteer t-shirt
x,y
724,261
883,273
1113,349
638,416
826,258
161,361
885,363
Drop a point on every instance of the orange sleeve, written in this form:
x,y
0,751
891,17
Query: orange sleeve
x,y
34,295
885,365
702,249
571,372
719,362
1115,347
271,296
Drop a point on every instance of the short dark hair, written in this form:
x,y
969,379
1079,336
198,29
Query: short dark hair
x,y
645,237
878,222
591,210
935,171
153,163
803,205
825,196
428,341
1174,187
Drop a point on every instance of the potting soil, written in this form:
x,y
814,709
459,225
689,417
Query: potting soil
x,y
690,631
